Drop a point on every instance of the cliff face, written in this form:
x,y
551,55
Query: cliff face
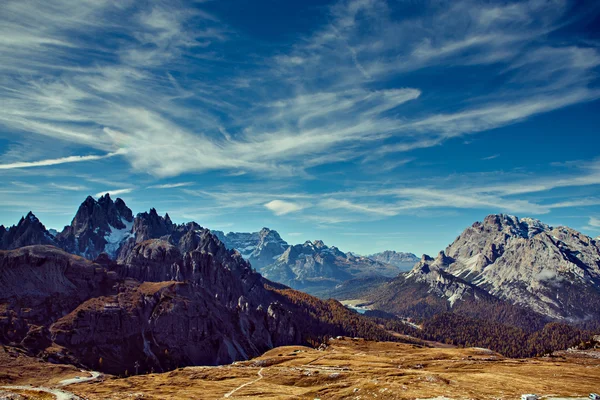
x,y
552,271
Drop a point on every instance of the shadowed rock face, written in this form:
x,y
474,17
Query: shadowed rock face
x,y
27,232
203,307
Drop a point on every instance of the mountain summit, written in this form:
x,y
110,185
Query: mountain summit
x,y
397,258
99,226
553,271
28,231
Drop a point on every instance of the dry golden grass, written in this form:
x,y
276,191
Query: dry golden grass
x,y
357,369
33,395
16,368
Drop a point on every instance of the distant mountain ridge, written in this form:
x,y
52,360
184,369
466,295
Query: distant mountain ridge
x,y
311,266
552,272
260,248
109,227
315,267
402,260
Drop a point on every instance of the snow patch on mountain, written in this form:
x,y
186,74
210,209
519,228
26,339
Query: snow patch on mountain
x,y
115,237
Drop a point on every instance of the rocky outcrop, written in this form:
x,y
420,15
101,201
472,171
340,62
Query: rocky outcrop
x,y
314,267
27,232
98,226
404,261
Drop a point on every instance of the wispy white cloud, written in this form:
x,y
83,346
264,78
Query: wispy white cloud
x,y
114,192
594,224
281,207
72,188
129,99
170,185
57,161
491,157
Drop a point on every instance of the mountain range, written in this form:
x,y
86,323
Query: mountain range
x,y
158,295
260,248
312,267
317,268
404,261
114,290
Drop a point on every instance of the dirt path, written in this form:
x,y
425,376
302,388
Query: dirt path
x,y
79,379
60,394
260,376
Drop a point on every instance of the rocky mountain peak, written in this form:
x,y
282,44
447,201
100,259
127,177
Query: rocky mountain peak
x,y
425,258
28,231
98,226
150,225
442,259
528,263
512,225
319,244
266,231
260,248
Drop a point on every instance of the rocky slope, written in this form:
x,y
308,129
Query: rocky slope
x,y
522,264
314,267
404,261
260,248
28,231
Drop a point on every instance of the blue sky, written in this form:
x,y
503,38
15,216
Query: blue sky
x,y
369,124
